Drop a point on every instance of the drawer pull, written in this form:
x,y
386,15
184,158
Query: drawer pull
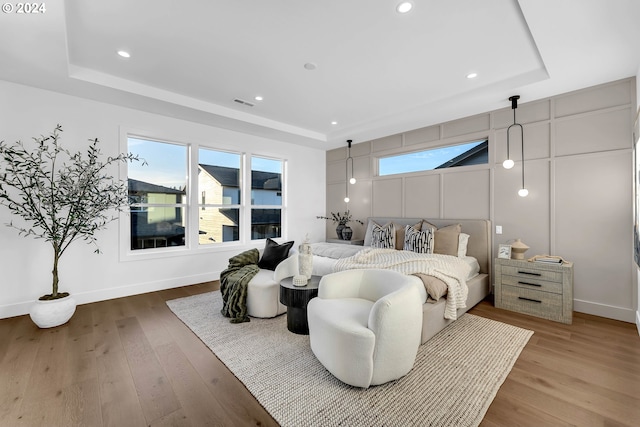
x,y
529,273
530,284
529,299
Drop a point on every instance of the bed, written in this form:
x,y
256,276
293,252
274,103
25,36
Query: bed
x,y
329,256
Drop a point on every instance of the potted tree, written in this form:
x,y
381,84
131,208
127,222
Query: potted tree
x,y
60,197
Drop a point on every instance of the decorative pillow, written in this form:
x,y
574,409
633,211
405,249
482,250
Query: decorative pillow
x,y
418,241
435,287
383,236
274,254
400,233
463,241
446,240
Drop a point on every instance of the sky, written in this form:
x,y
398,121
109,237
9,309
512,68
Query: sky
x,y
167,163
422,160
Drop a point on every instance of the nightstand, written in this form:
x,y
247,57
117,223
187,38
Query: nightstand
x,y
535,288
346,242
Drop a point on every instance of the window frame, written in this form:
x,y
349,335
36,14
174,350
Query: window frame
x,y
239,206
145,206
192,246
250,206
422,149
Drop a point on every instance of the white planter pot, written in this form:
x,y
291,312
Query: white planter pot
x,y
48,314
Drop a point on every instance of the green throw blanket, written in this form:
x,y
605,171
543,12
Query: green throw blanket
x,y
233,285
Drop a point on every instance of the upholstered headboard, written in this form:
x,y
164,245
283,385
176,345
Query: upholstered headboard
x,y
479,245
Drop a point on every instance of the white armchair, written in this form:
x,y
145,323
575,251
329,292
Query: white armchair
x,y
365,325
263,291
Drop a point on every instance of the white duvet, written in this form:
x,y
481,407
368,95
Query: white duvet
x,y
451,270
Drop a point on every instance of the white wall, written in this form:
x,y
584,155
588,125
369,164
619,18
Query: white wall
x,y
637,136
25,264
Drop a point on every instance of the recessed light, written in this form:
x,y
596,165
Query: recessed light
x,y
472,75
404,7
310,66
124,54
258,98
334,123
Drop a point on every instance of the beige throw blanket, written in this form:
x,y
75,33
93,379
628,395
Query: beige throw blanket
x,y
449,269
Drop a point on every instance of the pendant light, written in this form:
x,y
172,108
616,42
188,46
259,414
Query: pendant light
x,y
352,180
508,163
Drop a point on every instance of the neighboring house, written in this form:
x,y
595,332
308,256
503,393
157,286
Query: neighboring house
x,y
475,156
220,186
155,226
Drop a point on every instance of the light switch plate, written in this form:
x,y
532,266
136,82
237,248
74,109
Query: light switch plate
x,y
498,229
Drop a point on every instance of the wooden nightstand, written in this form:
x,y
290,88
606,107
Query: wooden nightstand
x,y
535,288
346,242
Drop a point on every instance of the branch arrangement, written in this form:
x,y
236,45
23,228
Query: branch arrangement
x,y
60,196
341,218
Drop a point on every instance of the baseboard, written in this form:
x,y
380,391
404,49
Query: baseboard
x,y
638,321
603,310
21,308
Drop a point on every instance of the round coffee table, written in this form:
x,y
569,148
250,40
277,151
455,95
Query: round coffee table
x,y
296,299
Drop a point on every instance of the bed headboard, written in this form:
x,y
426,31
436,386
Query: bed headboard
x,y
479,245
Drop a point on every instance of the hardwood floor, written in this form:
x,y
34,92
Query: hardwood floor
x,y
131,362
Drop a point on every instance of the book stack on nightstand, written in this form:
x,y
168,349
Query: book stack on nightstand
x,y
346,242
542,289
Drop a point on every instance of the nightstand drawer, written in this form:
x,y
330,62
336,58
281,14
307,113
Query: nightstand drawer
x,y
533,283
532,273
533,302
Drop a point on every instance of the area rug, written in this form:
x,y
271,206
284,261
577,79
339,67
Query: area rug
x,y
454,380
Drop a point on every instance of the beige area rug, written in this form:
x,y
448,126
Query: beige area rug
x,y
454,380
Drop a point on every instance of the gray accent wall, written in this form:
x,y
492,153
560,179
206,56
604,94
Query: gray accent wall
x,y
578,169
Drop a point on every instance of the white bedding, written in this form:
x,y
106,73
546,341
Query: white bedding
x,y
334,250
326,255
451,270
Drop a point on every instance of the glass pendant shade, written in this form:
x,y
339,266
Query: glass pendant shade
x,y
352,180
523,192
508,164
346,200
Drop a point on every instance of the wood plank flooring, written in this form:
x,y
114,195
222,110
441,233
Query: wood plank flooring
x,y
131,362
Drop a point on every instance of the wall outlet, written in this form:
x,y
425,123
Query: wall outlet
x,y
498,229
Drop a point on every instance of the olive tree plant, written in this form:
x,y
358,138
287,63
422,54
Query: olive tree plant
x,y
60,196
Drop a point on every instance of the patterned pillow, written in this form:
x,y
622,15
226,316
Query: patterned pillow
x,y
418,241
383,236
400,234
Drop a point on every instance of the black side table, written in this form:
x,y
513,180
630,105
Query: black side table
x,y
296,299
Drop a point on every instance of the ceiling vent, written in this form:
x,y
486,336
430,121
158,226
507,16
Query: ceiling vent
x,y
243,102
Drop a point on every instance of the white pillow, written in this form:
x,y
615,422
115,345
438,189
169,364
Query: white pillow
x,y
463,240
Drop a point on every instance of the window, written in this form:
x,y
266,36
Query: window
x,y
266,198
472,153
219,180
157,193
193,197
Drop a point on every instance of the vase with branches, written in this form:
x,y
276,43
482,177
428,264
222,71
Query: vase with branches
x,y
60,196
342,219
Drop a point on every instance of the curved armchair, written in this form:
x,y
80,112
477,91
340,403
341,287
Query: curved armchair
x,y
365,325
263,291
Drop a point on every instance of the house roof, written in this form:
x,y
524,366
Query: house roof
x,y
228,177
473,156
136,186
